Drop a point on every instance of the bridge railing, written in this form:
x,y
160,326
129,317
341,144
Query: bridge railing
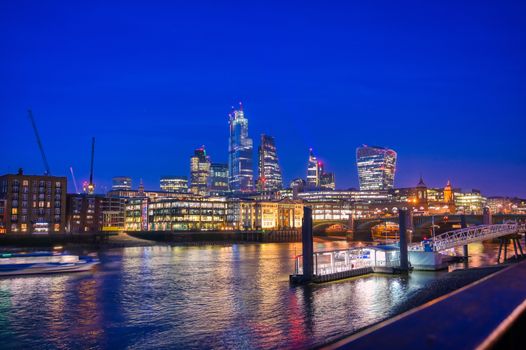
x,y
464,236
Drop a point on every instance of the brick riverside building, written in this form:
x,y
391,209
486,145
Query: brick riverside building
x,y
33,203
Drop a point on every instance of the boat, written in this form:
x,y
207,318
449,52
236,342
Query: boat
x,y
15,264
386,233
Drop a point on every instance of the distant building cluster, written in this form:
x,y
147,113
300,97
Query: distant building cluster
x,y
231,196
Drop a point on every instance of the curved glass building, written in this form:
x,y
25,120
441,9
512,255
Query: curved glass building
x,y
376,167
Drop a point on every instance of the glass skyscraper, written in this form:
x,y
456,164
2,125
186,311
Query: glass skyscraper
x,y
199,172
314,171
241,173
269,170
218,181
376,167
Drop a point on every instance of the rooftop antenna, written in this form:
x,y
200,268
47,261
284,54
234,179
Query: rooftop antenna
x,y
39,142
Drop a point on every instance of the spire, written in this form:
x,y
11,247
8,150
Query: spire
x,y
141,186
421,182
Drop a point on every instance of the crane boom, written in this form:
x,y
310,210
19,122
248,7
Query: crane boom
x,y
74,180
39,142
91,186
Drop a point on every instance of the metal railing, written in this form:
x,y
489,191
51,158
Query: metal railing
x,y
464,236
334,261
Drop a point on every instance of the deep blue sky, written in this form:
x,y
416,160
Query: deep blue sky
x,y
443,84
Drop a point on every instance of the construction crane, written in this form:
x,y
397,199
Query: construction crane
x,y
39,142
91,185
74,180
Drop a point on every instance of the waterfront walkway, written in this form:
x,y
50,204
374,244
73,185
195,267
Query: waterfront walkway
x,y
487,314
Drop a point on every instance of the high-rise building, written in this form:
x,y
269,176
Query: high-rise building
x,y
121,183
376,167
33,203
174,184
327,181
269,170
317,178
314,171
199,172
218,180
241,175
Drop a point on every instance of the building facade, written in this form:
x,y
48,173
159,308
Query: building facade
x,y
121,183
469,202
199,172
241,173
211,213
33,203
218,180
84,213
270,178
113,213
376,168
174,184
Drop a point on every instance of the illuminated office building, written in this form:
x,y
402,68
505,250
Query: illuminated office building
x,y
211,213
317,178
241,175
218,180
314,171
376,168
121,183
199,172
269,170
327,181
469,202
174,184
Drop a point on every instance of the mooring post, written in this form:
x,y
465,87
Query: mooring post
x,y
486,216
519,245
500,249
307,244
463,224
402,217
515,248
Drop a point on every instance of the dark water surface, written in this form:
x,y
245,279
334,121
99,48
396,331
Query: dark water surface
x,y
198,297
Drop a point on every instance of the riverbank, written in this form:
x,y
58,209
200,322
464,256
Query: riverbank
x,y
488,313
439,287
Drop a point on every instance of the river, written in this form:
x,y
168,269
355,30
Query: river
x,y
235,296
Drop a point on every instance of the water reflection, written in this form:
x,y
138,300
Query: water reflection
x,y
200,297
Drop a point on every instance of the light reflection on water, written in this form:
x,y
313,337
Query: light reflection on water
x,y
198,297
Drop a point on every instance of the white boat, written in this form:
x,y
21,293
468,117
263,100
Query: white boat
x,y
14,264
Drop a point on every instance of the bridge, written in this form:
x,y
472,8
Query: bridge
x,y
461,237
421,225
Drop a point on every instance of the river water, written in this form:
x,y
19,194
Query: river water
x,y
235,296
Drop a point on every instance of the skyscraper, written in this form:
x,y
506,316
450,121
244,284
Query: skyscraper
x,y
317,178
314,171
199,172
270,178
241,175
376,167
218,181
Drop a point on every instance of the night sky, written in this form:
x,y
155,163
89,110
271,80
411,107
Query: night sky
x,y
443,84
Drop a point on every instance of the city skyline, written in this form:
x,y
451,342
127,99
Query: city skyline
x,y
450,103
